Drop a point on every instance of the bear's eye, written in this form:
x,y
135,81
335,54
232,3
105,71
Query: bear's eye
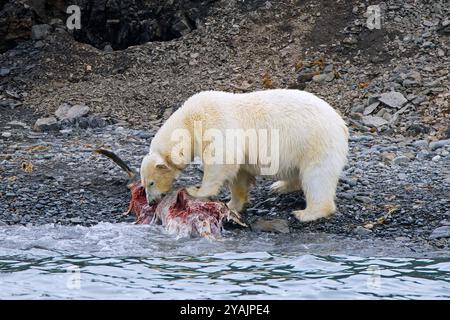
x,y
151,184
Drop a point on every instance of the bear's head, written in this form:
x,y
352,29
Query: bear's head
x,y
157,176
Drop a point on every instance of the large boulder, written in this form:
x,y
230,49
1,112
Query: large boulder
x,y
67,112
46,124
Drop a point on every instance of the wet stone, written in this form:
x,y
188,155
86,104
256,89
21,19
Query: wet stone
x,y
4,71
441,232
363,199
436,158
421,144
347,195
270,225
439,144
362,231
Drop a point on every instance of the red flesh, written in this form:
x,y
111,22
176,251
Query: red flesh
x,y
179,213
138,204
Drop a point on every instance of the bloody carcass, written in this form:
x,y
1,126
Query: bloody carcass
x,y
178,212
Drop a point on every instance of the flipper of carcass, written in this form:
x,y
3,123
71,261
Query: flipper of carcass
x,y
138,204
179,213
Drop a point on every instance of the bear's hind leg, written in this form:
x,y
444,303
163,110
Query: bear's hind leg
x,y
239,188
319,186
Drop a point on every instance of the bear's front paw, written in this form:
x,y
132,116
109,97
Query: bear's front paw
x,y
193,191
234,206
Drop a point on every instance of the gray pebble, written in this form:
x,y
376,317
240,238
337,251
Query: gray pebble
x,y
423,144
441,232
362,231
400,160
439,144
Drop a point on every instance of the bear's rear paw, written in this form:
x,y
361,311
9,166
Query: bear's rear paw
x,y
307,216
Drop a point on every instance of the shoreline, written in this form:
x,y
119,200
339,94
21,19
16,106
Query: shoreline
x,y
377,198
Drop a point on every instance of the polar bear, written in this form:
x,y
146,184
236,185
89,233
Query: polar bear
x,y
308,147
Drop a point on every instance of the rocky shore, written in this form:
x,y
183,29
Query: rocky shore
x,y
60,98
392,188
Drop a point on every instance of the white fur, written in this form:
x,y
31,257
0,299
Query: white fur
x,y
313,144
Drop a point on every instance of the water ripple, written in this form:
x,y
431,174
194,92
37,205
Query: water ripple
x,y
141,262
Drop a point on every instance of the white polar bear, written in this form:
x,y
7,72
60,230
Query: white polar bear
x,y
309,153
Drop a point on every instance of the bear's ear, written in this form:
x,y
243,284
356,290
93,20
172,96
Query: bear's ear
x,y
161,166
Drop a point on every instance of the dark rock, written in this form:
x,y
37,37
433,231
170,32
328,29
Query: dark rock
x,y
40,31
125,23
15,23
305,77
419,99
347,195
349,181
4,71
447,133
108,48
362,231
417,128
358,108
39,44
83,123
144,135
